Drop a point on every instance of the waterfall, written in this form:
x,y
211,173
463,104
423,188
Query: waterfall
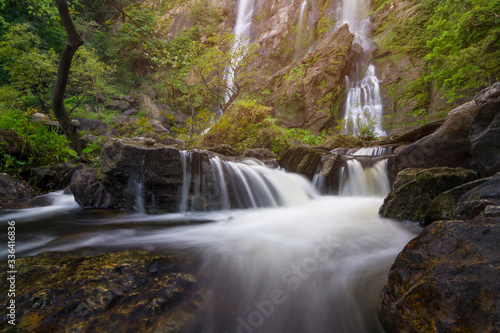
x,y
220,185
241,30
357,180
363,107
300,27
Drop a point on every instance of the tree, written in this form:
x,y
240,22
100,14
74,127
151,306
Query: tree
x,y
226,69
74,41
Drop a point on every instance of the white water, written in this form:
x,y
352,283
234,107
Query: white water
x,y
363,109
300,27
312,265
317,267
250,183
359,181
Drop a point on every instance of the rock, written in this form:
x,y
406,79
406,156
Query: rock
x,y
97,126
12,143
301,160
418,133
39,118
49,178
101,98
447,146
130,112
260,153
414,189
329,173
484,137
443,206
173,142
128,164
445,280
11,189
473,203
117,105
128,98
89,192
492,211
225,150
132,291
306,91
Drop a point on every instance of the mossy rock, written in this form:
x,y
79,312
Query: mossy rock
x,y
301,160
132,291
414,189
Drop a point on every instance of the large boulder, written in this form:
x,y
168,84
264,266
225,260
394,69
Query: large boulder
x,y
475,202
414,189
12,189
89,192
484,138
447,146
96,126
445,280
141,175
133,291
444,205
301,160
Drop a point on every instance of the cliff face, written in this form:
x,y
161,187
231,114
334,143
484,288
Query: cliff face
x,y
306,55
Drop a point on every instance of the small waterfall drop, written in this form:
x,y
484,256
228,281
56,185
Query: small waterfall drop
x,y
214,184
363,107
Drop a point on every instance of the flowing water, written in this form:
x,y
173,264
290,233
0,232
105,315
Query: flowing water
x,y
300,28
363,107
306,263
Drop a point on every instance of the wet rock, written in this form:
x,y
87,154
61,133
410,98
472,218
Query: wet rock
x,y
225,150
418,133
447,146
445,280
132,291
128,164
260,153
49,178
414,189
89,192
12,189
443,206
484,138
301,160
473,203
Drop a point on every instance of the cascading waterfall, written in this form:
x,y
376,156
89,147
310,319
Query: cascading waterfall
x,y
246,184
297,265
363,107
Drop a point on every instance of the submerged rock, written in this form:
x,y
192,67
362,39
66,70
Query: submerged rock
x,y
132,291
445,280
414,189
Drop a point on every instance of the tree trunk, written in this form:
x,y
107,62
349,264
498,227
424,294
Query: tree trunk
x,y
74,41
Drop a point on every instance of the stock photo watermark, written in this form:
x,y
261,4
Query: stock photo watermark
x,y
11,272
292,278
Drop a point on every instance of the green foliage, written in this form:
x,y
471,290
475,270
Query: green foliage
x,y
459,41
226,69
41,146
30,69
